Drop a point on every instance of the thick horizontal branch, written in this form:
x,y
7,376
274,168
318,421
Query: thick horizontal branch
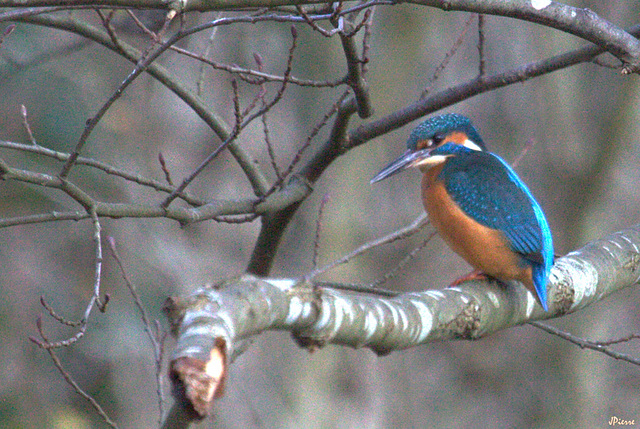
x,y
218,318
466,90
580,22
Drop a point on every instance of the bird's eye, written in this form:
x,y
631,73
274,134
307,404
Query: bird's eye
x,y
438,138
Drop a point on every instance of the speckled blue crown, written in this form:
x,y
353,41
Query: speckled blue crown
x,y
444,124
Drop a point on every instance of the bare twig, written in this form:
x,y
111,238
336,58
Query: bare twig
x,y
618,340
67,377
447,58
205,54
213,155
25,124
259,75
586,344
316,240
106,23
285,81
165,170
241,123
236,107
359,26
43,218
403,262
356,80
61,319
108,169
400,234
481,58
8,30
141,25
366,41
154,332
527,147
270,149
298,156
141,66
316,27
94,301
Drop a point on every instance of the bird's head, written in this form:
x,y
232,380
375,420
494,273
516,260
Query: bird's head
x,y
433,141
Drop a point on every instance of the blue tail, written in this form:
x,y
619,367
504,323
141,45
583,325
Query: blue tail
x,y
540,274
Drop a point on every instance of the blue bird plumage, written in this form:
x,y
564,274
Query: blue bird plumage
x,y
487,189
478,203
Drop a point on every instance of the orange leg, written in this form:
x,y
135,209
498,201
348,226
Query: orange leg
x,y
473,275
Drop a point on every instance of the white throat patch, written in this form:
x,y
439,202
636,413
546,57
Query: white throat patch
x,y
430,162
471,145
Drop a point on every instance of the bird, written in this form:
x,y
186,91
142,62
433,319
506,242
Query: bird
x,y
478,204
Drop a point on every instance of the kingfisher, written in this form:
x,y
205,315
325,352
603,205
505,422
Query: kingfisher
x,y
478,204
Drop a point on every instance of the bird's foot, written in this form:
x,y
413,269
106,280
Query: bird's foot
x,y
473,275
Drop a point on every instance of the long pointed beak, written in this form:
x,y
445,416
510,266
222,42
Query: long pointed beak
x,y
406,160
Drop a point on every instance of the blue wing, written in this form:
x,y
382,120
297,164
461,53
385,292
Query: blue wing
x,y
487,189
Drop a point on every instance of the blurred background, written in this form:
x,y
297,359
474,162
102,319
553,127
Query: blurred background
x,y
582,126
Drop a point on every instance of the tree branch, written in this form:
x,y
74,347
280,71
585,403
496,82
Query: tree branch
x,y
199,106
295,190
580,22
239,308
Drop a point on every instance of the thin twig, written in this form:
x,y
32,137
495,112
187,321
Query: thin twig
x,y
298,156
528,145
141,66
106,168
205,54
400,234
285,81
239,126
356,28
316,27
262,92
25,124
43,218
156,335
236,129
270,149
94,301
316,240
481,58
259,75
447,58
165,169
586,344
366,41
7,31
61,319
67,377
403,262
626,339
141,25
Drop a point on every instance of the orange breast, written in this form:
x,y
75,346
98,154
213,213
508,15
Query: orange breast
x,y
484,248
